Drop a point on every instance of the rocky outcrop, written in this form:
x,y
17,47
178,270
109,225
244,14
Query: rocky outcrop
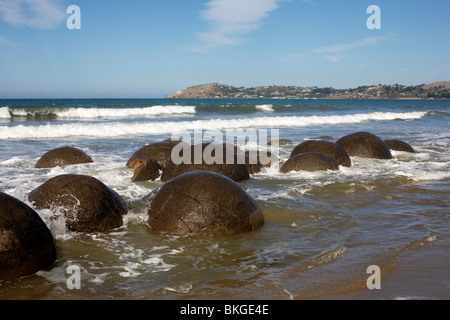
x,y
61,157
205,91
203,202
86,203
26,244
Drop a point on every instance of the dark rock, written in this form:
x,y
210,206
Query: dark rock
x,y
160,151
399,145
203,158
26,244
87,204
145,170
61,157
365,145
203,202
310,161
325,147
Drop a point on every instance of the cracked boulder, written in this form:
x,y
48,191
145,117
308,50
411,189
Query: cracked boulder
x,y
26,244
86,203
203,202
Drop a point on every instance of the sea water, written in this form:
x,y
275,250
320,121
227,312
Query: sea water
x,y
322,230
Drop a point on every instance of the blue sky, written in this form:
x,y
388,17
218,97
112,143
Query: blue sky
x,y
151,48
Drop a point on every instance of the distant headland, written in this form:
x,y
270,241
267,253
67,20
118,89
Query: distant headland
x,y
435,90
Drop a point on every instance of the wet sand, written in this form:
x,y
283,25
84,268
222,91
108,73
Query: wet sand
x,y
422,274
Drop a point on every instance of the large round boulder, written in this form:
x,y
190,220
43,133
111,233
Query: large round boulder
x,y
203,202
365,145
26,244
310,161
160,151
61,157
399,145
203,157
87,204
325,147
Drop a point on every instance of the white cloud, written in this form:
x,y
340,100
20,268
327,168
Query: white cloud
x,y
36,14
339,48
229,20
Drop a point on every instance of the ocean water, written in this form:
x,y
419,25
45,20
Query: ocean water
x,y
322,230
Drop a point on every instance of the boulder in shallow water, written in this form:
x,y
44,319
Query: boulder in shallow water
x,y
203,157
328,148
145,170
26,244
309,161
87,204
160,151
61,157
399,145
365,145
203,202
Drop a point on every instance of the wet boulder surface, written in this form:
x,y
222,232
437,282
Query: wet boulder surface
x,y
365,145
328,148
309,161
86,203
26,243
399,145
203,202
61,157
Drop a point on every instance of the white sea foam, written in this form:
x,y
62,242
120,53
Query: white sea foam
x,y
4,113
265,107
49,130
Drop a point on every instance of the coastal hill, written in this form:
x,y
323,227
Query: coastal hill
x,y
435,90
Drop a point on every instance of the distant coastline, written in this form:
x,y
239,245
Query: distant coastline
x,y
431,91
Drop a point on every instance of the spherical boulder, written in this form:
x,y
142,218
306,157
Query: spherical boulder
x,y
61,157
26,244
145,170
325,147
309,161
203,202
86,203
399,145
203,157
365,145
160,151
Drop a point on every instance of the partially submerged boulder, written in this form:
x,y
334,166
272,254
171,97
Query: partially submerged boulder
x,y
399,145
61,157
87,204
365,145
203,157
310,161
26,243
145,170
159,151
203,202
325,147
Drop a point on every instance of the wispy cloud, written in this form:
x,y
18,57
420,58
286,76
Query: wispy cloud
x,y
36,14
229,20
